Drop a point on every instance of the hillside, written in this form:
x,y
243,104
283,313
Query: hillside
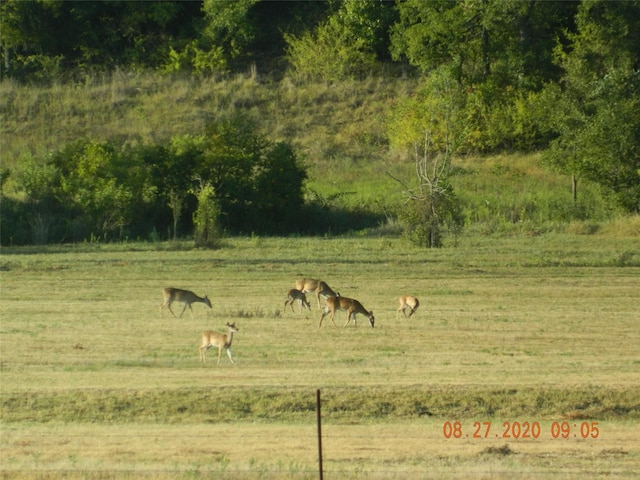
x,y
323,120
338,129
333,126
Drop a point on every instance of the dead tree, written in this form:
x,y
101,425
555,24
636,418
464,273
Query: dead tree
x,y
429,203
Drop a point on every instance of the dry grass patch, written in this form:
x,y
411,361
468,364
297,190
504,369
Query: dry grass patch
x,y
248,450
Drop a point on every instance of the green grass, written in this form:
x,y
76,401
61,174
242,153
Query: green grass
x,y
96,384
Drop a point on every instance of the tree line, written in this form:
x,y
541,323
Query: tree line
x,y
562,77
507,41
228,180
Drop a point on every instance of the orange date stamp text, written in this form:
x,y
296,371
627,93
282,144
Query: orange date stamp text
x,y
520,430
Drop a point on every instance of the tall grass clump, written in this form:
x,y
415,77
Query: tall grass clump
x,y
622,226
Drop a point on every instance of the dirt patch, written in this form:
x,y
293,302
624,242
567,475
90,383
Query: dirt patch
x,y
503,450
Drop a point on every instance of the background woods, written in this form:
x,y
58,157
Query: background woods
x,y
114,113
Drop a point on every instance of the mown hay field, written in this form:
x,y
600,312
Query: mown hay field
x,y
541,330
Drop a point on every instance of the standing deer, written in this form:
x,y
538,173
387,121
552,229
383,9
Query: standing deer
x,y
211,338
410,302
298,295
187,297
352,307
306,285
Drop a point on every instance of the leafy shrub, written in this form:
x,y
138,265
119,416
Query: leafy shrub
x,y
329,53
192,58
206,217
43,69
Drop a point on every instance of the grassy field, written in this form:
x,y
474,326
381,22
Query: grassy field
x,y
95,383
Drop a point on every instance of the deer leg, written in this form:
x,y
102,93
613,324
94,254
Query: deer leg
x,y
322,318
203,353
229,355
326,312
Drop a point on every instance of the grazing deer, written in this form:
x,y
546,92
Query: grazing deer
x,y
352,307
306,285
187,297
410,302
211,338
298,295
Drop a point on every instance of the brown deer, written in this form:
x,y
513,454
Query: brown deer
x,y
298,295
187,297
320,288
211,338
410,302
353,307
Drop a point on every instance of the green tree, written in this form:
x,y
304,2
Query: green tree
x,y
42,35
228,27
195,58
499,50
232,149
258,183
596,109
369,20
347,44
279,180
103,186
174,167
454,34
507,41
40,184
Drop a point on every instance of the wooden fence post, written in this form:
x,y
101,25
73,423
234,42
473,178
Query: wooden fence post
x,y
319,432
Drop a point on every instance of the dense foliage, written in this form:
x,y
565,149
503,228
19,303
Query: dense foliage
x,y
93,190
562,77
596,105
